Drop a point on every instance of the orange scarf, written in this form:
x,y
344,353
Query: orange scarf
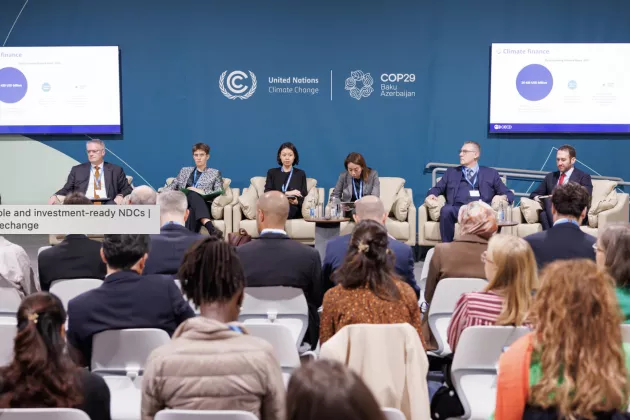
x,y
513,379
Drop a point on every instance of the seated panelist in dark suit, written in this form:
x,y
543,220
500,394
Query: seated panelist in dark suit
x,y
96,178
288,179
126,299
369,208
565,240
168,248
357,181
277,260
199,180
466,183
565,159
76,257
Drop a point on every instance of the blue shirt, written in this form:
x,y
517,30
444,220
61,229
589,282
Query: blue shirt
x,y
565,220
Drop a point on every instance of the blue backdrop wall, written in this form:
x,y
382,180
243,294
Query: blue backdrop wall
x,y
174,52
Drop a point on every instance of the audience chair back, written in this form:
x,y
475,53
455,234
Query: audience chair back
x,y
425,270
276,305
625,333
10,301
283,342
447,293
474,369
8,330
125,352
393,414
44,248
204,415
43,414
67,290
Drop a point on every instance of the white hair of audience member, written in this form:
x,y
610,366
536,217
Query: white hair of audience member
x,y
173,206
143,195
97,141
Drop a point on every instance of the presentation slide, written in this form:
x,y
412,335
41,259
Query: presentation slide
x,y
59,90
560,88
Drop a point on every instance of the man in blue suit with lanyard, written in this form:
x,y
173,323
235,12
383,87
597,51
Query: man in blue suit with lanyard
x,y
466,183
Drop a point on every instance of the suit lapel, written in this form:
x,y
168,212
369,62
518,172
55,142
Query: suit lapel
x,y
460,172
85,185
575,176
109,185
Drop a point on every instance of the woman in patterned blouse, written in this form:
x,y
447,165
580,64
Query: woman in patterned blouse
x,y
368,290
510,267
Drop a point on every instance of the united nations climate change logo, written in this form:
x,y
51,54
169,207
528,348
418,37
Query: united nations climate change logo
x,y
359,84
232,88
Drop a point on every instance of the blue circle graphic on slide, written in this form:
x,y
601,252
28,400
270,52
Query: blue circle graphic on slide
x,y
534,82
13,85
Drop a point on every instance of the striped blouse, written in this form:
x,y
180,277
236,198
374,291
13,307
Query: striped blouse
x,y
472,310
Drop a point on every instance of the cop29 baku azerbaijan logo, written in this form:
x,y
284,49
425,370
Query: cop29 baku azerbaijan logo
x,y
232,86
359,84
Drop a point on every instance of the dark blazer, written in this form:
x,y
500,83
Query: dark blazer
x,y
115,180
276,179
167,249
76,257
562,242
490,184
343,188
336,249
277,260
550,182
125,300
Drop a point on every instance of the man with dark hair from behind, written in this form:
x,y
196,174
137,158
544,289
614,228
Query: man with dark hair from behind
x,y
76,257
567,172
126,299
565,240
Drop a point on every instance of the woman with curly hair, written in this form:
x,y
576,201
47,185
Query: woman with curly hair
x,y
574,364
41,374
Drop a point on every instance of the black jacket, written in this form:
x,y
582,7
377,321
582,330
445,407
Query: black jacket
x,y
168,248
550,182
115,180
562,242
76,257
276,179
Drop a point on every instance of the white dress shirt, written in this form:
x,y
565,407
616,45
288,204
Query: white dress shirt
x,y
567,175
90,190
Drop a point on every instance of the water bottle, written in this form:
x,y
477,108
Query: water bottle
x,y
311,210
501,216
334,208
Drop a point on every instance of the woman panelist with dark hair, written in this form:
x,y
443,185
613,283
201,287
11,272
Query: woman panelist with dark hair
x,y
202,184
357,181
288,179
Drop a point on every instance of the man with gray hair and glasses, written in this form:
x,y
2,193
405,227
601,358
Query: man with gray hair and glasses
x,y
100,181
168,248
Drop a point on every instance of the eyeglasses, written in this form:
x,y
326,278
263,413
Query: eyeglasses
x,y
95,151
485,259
466,151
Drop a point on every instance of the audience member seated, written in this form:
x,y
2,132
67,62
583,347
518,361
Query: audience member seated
x,y
369,208
573,365
368,290
288,179
15,268
565,240
277,260
613,255
466,183
76,257
326,389
125,299
511,271
565,159
95,178
212,363
143,195
41,374
356,181
462,257
202,185
167,248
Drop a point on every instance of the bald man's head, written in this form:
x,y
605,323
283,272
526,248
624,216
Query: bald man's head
x,y
143,195
273,211
370,207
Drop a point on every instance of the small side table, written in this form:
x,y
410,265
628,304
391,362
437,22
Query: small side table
x,y
325,229
503,224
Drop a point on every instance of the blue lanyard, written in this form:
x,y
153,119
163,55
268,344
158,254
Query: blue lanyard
x,y
285,186
354,187
236,329
474,181
98,181
195,177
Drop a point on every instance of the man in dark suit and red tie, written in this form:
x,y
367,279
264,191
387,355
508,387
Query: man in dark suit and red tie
x,y
466,183
567,172
96,179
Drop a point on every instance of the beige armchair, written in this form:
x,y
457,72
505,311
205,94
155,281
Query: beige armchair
x,y
603,190
244,211
397,198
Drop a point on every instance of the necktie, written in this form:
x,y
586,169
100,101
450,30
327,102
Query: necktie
x,y
97,181
561,180
470,174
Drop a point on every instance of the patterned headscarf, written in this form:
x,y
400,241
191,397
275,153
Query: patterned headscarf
x,y
477,218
